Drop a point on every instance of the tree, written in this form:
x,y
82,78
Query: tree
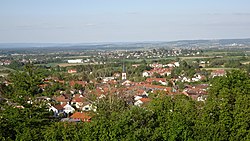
x,y
25,83
16,65
225,112
23,124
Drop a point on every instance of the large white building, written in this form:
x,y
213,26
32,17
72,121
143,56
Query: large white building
x,y
75,61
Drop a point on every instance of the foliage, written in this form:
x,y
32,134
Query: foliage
x,y
224,116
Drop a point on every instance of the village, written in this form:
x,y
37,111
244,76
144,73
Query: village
x,y
99,90
75,103
72,91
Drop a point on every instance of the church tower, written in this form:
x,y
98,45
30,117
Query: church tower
x,y
124,75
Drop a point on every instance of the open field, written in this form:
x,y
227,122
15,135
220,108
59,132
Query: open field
x,y
49,64
76,64
195,57
76,56
3,74
67,64
216,52
245,63
60,64
4,68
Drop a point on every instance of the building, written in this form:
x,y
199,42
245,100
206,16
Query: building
x,y
72,71
220,72
75,61
124,75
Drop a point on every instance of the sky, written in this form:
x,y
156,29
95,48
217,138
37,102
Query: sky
x,y
86,21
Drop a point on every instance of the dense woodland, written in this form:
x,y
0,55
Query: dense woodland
x,y
224,116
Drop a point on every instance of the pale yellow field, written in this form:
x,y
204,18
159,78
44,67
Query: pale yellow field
x,y
246,63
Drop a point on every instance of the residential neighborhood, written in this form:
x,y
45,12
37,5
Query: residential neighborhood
x,y
89,92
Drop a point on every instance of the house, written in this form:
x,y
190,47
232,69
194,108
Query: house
x,y
146,74
75,61
198,77
57,109
159,80
68,109
106,79
127,83
171,65
83,116
202,98
138,97
136,65
63,99
185,79
72,83
72,71
198,92
177,64
161,71
77,100
141,101
156,65
89,107
218,73
117,75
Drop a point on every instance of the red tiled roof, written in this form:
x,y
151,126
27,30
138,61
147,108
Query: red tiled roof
x,y
144,100
150,80
61,99
72,71
72,83
58,107
78,99
82,116
218,72
43,85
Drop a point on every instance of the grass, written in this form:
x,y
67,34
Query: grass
x,y
5,68
77,57
195,57
68,65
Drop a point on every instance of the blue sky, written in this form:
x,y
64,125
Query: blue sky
x,y
80,21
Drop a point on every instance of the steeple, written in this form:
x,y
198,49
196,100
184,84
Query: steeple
x,y
124,75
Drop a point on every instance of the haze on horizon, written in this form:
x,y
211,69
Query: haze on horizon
x,y
79,21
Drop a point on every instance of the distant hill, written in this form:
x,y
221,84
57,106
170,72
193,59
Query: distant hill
x,y
134,45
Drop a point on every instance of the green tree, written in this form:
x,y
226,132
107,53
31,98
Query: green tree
x,y
25,83
225,112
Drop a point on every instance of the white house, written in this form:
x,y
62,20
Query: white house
x,y
57,109
138,103
137,97
68,109
146,74
202,98
185,79
141,101
177,64
89,107
196,78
